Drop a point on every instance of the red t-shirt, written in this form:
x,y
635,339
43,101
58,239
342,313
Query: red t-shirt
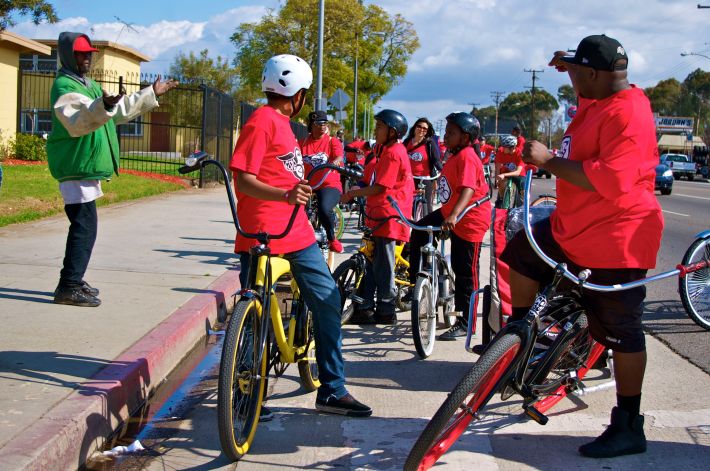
x,y
510,161
318,152
521,143
620,224
352,157
418,159
486,151
393,172
465,170
268,149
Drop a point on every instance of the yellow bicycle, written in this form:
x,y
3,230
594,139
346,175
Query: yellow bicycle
x,y
349,275
259,336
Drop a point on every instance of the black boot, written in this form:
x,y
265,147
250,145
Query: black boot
x,y
75,296
623,436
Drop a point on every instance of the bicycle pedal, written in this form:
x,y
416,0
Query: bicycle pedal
x,y
536,415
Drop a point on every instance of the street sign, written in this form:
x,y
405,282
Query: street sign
x,y
340,116
339,99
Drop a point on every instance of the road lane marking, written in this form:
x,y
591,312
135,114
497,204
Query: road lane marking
x,y
693,196
677,214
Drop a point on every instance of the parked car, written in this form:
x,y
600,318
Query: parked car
x,y
680,164
664,179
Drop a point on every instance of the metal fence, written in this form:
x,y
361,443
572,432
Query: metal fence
x,y
191,117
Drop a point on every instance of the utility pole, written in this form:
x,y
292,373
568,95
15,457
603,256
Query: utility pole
x,y
497,96
473,106
532,103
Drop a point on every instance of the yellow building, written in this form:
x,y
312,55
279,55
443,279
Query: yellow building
x,y
11,47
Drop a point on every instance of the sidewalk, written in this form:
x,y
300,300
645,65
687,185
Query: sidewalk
x,y
69,375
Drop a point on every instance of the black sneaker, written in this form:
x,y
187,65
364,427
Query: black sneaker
x,y
346,405
75,296
88,289
458,330
480,349
623,436
362,317
386,318
266,414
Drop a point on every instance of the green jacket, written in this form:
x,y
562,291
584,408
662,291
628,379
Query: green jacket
x,y
92,156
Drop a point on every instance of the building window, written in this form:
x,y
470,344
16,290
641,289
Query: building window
x,y
36,121
131,129
39,63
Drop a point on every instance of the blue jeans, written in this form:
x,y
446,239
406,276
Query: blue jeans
x,y
83,227
380,276
323,299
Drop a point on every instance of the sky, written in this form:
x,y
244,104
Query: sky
x,y
469,48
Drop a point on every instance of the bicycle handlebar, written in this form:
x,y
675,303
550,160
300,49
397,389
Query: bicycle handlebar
x,y
411,224
347,171
426,179
581,279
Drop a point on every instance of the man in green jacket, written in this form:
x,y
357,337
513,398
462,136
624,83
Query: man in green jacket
x,y
82,150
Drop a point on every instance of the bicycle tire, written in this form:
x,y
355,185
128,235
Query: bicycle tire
x,y
423,321
348,276
446,290
339,222
694,288
307,366
544,200
480,384
245,406
418,211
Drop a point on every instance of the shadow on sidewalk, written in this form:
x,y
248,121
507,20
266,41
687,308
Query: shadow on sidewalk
x,y
44,297
226,258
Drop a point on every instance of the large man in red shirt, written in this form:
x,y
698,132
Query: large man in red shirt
x,y
607,219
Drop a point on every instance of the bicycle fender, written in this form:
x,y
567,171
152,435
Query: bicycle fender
x,y
703,235
248,294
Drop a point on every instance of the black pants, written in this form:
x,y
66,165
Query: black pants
x,y
80,242
464,261
327,199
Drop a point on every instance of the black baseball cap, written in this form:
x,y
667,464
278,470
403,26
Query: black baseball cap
x,y
318,116
599,52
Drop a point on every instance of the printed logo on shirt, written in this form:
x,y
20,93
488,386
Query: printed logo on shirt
x,y
293,163
315,160
416,157
444,190
565,147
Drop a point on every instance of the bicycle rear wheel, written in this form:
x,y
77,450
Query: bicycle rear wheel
x,y
240,390
423,318
694,287
468,398
338,222
544,200
307,366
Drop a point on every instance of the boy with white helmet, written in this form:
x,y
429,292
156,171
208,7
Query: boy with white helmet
x,y
269,180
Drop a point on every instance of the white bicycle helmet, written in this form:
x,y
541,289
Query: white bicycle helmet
x,y
286,75
509,141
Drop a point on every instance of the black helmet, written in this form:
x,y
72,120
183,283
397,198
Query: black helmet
x,y
467,122
395,120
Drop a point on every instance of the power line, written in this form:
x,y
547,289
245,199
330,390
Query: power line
x,y
532,108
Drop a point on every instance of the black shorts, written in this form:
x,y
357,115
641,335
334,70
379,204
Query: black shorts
x,y
614,317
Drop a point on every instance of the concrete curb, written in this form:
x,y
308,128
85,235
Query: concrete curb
x,y
74,428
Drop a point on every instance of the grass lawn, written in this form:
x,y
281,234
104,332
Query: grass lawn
x,y
29,192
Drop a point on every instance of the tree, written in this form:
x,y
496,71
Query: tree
x,y
39,9
518,106
566,95
665,96
349,28
216,73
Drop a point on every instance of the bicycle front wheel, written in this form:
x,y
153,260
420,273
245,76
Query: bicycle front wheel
x,y
423,317
241,385
694,287
466,400
338,222
348,276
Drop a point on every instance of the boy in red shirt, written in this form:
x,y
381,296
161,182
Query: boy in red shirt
x,y
392,177
320,148
509,162
462,182
268,170
607,218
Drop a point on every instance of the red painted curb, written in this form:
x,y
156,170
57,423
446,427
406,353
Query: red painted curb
x,y
77,426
